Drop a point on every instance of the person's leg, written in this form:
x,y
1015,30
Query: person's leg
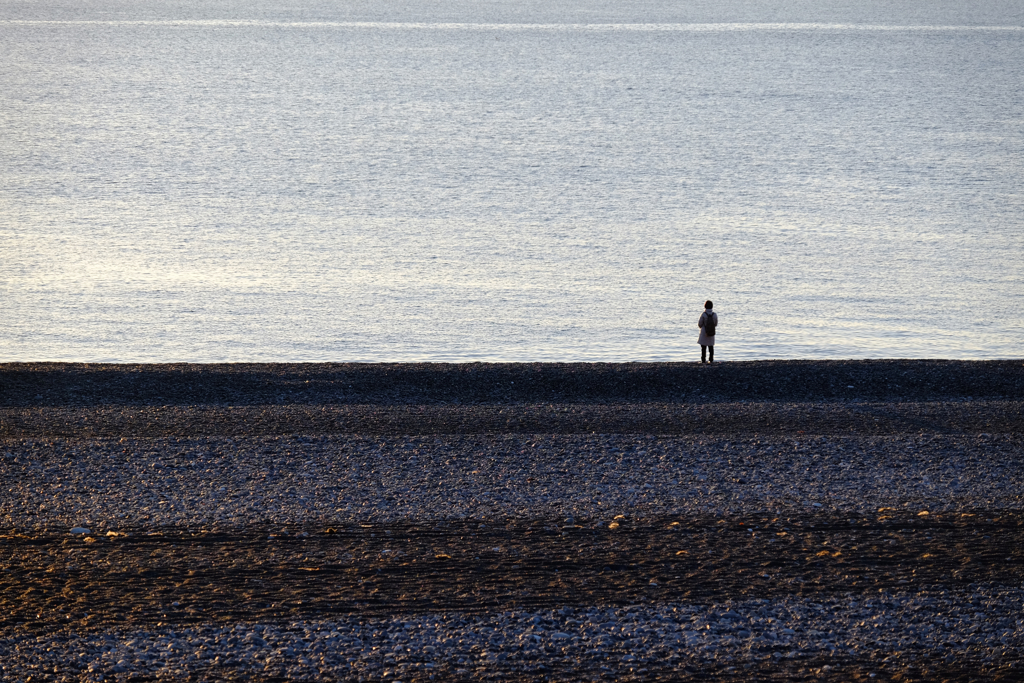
x,y
711,353
703,353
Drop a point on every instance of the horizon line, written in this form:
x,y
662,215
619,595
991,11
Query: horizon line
x,y
695,27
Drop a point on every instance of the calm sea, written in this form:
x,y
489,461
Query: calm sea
x,y
511,181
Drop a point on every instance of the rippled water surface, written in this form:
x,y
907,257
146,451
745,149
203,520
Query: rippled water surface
x,y
510,181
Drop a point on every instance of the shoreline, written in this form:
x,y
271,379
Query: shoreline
x,y
771,398
56,384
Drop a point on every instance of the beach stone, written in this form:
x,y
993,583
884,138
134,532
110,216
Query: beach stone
x,y
491,478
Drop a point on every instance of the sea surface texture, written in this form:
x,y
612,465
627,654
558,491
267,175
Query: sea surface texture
x,y
510,181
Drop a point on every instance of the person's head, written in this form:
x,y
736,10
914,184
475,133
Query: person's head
x,y
708,305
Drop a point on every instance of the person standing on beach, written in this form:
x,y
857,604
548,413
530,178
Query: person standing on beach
x,y
707,324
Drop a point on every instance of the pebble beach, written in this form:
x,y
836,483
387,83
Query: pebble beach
x,y
804,520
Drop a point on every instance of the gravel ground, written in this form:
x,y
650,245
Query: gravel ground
x,y
94,581
831,520
111,483
961,416
56,384
884,636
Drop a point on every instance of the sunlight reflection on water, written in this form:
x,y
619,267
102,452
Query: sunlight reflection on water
x,y
236,188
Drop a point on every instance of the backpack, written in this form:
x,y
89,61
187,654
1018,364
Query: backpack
x,y
709,324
